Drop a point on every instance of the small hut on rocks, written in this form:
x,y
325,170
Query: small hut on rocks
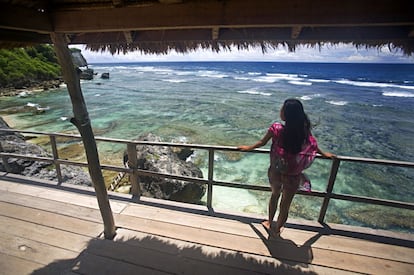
x,y
159,26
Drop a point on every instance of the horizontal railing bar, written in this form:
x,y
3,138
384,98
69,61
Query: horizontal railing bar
x,y
312,193
19,156
116,168
216,147
378,161
222,183
170,176
40,133
241,186
384,202
70,162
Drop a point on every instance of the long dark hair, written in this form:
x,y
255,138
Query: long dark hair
x,y
297,126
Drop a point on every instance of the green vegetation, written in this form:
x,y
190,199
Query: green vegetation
x,y
22,66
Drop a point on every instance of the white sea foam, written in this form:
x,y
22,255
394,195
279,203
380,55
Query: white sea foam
x,y
338,103
175,80
183,73
398,94
372,84
254,73
64,118
242,78
213,74
30,104
275,77
254,92
285,76
23,94
319,80
39,108
302,83
310,97
266,79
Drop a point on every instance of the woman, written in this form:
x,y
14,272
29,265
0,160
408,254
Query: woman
x,y
293,150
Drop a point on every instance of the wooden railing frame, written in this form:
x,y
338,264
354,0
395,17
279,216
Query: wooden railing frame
x,y
134,172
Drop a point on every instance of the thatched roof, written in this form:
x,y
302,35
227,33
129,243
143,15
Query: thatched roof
x,y
153,26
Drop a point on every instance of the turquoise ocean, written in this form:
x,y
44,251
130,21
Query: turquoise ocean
x,y
358,110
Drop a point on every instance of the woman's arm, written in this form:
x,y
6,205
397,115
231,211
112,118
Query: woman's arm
x,y
258,144
326,154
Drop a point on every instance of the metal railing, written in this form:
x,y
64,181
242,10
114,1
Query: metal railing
x,y
134,172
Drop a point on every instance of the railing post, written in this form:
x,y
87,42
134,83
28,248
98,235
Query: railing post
x,y
210,177
5,160
55,158
329,188
133,164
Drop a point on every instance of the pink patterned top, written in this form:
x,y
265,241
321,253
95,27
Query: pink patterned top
x,y
291,164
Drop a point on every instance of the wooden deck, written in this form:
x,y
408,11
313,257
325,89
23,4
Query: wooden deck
x,y
50,229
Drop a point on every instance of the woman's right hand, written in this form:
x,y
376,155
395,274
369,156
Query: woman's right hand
x,y
244,148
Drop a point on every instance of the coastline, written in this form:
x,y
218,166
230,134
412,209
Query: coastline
x,y
37,87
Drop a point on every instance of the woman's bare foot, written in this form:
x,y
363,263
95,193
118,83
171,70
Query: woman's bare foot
x,y
271,228
267,225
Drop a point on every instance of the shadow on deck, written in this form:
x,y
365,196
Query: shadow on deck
x,y
51,229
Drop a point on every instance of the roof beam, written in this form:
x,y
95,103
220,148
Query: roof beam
x,y
235,14
23,19
345,34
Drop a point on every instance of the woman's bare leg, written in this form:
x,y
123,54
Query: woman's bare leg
x,y
275,184
285,202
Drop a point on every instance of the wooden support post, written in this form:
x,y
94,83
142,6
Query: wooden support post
x,y
210,178
82,122
5,160
133,164
329,188
55,158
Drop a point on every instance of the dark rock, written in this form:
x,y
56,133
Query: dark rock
x,y
162,159
15,143
86,74
105,75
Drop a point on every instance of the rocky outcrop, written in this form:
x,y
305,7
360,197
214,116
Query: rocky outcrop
x,y
105,75
86,74
15,143
163,159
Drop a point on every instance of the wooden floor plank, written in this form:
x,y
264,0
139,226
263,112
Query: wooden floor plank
x,y
188,219
51,230
14,265
58,195
34,251
92,264
349,245
155,258
233,261
281,249
63,208
43,234
352,245
51,219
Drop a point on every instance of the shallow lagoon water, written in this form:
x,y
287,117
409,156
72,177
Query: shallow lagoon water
x,y
361,110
